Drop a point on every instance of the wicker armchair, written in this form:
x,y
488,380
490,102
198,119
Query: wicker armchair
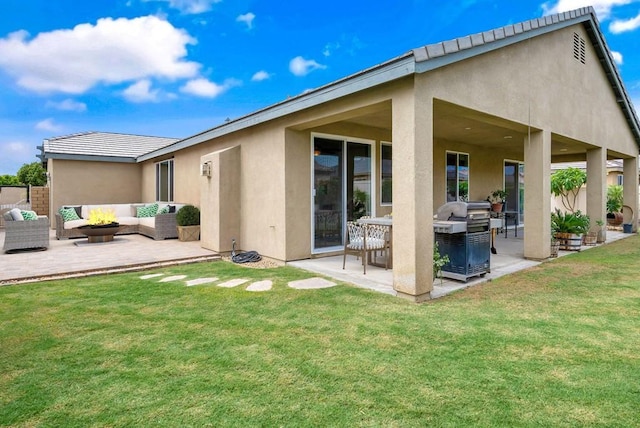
x,y
26,234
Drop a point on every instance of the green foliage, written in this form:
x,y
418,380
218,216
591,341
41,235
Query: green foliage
x,y
614,198
576,223
9,180
566,184
438,261
32,174
497,196
188,215
360,203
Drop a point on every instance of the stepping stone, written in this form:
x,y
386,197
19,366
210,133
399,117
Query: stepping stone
x,y
233,283
200,281
311,284
152,275
260,286
173,278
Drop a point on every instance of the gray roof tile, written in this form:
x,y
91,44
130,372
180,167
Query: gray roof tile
x,y
105,144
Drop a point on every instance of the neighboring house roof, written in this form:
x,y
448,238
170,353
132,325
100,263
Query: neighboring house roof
x,y
428,58
615,164
102,146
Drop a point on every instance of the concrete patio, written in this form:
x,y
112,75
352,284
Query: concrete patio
x,y
509,259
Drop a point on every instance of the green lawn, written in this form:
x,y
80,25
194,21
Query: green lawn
x,y
557,345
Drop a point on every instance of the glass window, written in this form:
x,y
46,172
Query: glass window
x,y
164,181
620,179
386,177
457,176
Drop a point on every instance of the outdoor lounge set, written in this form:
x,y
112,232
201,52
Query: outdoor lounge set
x,y
155,220
22,233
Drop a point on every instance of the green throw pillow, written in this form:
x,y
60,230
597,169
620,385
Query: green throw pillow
x,y
29,215
147,211
164,210
68,214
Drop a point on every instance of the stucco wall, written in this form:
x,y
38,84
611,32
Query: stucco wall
x,y
538,81
82,182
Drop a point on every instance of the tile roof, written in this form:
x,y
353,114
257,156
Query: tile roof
x,y
103,146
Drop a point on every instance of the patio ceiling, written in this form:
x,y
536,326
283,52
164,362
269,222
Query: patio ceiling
x,y
456,123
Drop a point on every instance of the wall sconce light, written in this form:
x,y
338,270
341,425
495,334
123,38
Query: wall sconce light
x,y
206,169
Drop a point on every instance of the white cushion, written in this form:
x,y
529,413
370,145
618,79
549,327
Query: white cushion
x,y
16,214
128,221
75,223
147,221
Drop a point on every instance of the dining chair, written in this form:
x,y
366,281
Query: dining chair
x,y
361,239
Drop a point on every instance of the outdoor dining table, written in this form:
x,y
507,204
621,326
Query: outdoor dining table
x,y
382,221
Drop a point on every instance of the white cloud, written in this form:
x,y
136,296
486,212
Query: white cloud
x,y
260,76
247,18
301,67
617,57
67,105
141,92
112,51
202,87
602,7
191,7
48,125
621,25
14,155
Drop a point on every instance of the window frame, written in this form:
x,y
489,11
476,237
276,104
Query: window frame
x,y
388,145
169,177
457,166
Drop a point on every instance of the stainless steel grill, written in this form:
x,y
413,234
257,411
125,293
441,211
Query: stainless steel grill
x,y
462,231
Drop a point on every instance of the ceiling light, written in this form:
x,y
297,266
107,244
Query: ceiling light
x,y
508,137
468,128
563,150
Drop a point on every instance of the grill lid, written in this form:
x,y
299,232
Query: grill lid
x,y
463,210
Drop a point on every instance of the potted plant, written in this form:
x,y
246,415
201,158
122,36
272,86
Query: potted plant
x,y
614,205
569,228
497,198
188,220
602,233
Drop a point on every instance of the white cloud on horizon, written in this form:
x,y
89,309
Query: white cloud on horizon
x,y
622,25
191,7
260,76
205,88
48,125
602,7
247,18
67,105
617,57
110,52
301,67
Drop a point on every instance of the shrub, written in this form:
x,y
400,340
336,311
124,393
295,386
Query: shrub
x,y
614,198
188,215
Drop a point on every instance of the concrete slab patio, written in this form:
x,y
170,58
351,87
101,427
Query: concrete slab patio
x,y
509,259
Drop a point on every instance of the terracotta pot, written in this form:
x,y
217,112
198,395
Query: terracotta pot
x,y
496,207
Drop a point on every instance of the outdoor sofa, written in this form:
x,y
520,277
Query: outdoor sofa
x,y
23,234
133,218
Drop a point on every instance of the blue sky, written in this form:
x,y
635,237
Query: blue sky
x,y
174,68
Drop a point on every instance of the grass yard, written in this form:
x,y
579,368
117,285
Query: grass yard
x,y
557,345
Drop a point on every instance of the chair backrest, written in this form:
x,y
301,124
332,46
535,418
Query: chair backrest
x,y
355,231
376,233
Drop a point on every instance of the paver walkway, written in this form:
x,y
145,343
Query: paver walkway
x,y
264,285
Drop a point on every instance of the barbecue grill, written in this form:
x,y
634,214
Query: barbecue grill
x,y
462,231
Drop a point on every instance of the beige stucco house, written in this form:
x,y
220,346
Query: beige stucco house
x,y
451,120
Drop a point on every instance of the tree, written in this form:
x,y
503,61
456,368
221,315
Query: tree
x,y
32,174
566,183
9,180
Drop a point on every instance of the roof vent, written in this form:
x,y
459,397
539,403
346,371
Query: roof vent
x,y
579,48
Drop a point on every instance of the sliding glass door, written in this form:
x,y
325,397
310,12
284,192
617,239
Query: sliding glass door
x,y
514,186
342,188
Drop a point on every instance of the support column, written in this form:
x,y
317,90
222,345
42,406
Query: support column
x,y
412,195
537,195
630,189
597,187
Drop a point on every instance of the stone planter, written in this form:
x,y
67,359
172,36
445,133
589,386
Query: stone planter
x,y
555,246
189,233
